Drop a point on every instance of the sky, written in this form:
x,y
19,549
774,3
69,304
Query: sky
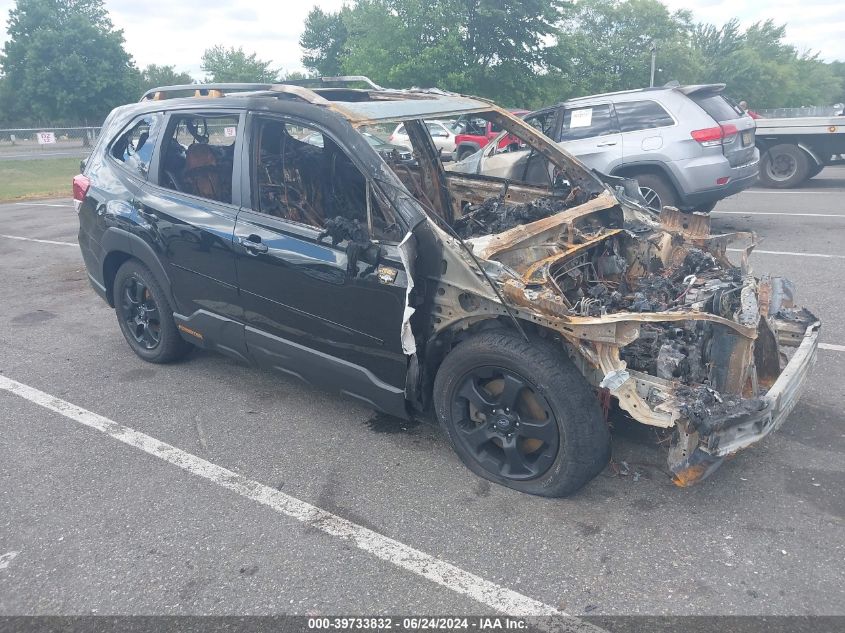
x,y
176,32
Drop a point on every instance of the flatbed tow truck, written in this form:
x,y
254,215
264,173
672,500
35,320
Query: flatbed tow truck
x,y
793,150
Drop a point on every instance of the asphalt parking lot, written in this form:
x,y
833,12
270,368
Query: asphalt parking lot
x,y
102,520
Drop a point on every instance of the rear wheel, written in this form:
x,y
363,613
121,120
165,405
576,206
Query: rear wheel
x,y
784,166
815,170
464,151
657,191
145,316
520,414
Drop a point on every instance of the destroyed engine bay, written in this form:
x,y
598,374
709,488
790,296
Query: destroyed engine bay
x,y
649,307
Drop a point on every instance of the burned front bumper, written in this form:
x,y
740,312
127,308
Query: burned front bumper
x,y
691,466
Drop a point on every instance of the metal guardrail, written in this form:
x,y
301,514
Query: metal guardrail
x,y
789,113
52,141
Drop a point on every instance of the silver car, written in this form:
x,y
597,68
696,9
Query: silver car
x,y
442,133
687,146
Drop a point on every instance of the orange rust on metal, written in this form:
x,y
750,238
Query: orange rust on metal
x,y
688,225
571,251
689,476
513,238
764,295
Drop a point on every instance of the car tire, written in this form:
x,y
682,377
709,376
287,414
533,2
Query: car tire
x,y
784,166
463,152
145,316
657,191
815,170
550,441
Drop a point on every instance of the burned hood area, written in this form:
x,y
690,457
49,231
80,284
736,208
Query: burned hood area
x,y
649,307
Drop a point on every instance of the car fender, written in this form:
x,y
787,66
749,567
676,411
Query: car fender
x,y
116,240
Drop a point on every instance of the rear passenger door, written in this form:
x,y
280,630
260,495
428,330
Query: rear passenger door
x,y
591,133
189,211
643,124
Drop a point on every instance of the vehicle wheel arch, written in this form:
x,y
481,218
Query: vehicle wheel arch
x,y
121,246
467,147
439,345
631,170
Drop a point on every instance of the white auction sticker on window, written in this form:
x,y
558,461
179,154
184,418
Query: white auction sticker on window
x,y
581,118
230,131
46,138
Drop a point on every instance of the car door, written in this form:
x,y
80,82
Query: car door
x,y
311,310
189,208
642,124
590,132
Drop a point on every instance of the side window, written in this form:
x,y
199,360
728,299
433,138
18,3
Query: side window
x,y
587,122
198,155
436,130
543,121
134,147
302,175
642,115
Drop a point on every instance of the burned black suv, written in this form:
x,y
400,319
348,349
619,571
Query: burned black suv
x,y
258,221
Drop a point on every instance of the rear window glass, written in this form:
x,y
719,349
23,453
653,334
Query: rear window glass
x,y
717,107
641,115
134,147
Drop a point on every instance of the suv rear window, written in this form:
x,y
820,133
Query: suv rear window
x,y
717,107
641,115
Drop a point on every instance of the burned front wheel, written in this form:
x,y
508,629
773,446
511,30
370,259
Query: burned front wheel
x,y
520,414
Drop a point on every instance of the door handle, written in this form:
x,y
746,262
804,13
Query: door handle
x,y
607,144
253,244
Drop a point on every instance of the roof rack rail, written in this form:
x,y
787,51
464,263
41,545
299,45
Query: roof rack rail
x,y
202,90
347,79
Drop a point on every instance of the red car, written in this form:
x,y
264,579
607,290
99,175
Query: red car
x,y
475,133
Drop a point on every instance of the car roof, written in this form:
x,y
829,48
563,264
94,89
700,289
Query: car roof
x,y
359,105
685,90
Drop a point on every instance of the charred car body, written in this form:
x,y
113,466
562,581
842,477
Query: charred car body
x,y
506,303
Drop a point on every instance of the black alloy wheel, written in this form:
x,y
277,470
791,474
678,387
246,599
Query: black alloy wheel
x,y
505,424
145,316
140,312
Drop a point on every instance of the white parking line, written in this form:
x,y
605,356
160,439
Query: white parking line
x,y
792,253
7,558
403,556
32,239
801,192
802,215
43,204
832,347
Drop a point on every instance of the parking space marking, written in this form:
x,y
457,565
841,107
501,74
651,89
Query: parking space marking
x,y
43,204
803,215
832,347
7,558
403,556
793,191
792,253
32,239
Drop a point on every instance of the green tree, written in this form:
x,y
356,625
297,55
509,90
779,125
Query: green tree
x,y
760,67
606,46
323,42
225,65
154,76
486,47
64,61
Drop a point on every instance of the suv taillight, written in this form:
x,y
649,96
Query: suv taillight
x,y
715,136
80,189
